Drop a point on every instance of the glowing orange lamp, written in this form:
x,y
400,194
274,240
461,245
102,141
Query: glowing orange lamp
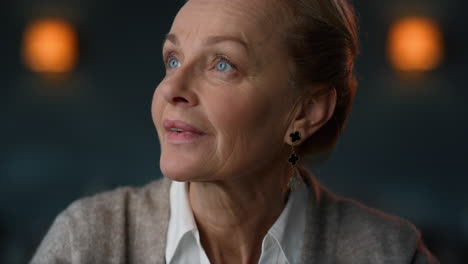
x,y
415,44
50,46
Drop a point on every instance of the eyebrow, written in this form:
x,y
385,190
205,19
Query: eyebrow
x,y
209,41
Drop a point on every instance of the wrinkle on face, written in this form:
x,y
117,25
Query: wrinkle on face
x,y
248,20
246,117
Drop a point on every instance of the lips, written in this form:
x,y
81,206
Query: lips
x,y
180,126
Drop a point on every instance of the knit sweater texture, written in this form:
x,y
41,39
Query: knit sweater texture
x,y
129,225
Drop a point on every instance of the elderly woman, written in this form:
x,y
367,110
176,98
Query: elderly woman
x,y
252,87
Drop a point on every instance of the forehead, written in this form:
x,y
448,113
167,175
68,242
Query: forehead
x,y
251,20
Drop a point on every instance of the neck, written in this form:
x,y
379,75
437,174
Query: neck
x,y
233,217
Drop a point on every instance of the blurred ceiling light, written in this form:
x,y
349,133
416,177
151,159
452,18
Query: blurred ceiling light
x,y
415,44
50,46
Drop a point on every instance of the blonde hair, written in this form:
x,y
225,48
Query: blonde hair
x,y
322,38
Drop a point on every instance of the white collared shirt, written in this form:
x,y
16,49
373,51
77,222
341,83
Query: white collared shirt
x,y
282,243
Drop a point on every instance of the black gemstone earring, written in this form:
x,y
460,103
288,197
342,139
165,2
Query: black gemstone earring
x,y
293,159
296,136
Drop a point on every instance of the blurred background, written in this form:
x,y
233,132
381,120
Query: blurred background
x,y
77,79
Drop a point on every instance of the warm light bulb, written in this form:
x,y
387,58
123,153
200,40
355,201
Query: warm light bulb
x,y
50,46
415,44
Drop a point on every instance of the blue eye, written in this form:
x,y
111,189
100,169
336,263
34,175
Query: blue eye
x,y
223,66
173,63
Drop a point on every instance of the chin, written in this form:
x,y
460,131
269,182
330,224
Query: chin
x,y
179,168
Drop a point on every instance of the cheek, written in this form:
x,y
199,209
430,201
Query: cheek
x,y
157,105
244,126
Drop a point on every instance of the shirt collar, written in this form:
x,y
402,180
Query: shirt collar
x,y
289,228
286,231
181,220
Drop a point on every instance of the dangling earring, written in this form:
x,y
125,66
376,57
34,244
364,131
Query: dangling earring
x,y
293,159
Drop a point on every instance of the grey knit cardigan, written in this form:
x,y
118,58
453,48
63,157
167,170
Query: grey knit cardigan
x,y
129,225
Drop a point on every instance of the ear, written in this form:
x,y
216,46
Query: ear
x,y
314,111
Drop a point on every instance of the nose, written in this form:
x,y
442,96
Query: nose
x,y
177,89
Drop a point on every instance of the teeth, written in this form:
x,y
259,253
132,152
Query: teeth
x,y
177,129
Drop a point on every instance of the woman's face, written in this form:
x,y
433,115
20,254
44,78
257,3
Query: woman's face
x,y
226,76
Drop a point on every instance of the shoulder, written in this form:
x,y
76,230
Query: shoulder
x,y
108,225
114,215
373,236
107,206
362,228
361,233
